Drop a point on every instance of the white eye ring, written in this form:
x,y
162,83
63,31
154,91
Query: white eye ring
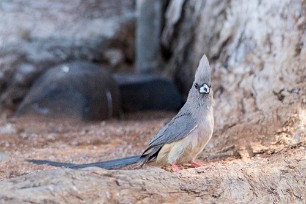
x,y
204,89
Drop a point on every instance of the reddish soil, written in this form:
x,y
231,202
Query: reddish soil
x,y
22,139
223,178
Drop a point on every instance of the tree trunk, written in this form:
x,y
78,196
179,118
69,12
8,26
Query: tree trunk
x,y
258,55
148,28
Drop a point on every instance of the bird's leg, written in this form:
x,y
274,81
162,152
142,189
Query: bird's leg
x,y
175,167
195,164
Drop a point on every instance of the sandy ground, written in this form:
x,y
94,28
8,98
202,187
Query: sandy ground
x,y
62,140
222,177
22,139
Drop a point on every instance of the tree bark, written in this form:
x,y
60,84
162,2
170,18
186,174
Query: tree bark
x,y
257,52
261,180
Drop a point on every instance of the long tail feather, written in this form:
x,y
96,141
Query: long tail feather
x,y
111,164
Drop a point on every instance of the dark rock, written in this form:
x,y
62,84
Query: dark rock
x,y
147,92
78,90
46,33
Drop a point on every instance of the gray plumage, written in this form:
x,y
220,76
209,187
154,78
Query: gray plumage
x,y
175,130
194,120
183,138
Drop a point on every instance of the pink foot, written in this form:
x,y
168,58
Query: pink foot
x,y
195,164
175,167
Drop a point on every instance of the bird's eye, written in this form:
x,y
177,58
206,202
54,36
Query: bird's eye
x,y
196,85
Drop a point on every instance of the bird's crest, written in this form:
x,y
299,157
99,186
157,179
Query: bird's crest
x,y
203,71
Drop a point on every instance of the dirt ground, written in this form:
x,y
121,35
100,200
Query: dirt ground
x,y
22,139
71,141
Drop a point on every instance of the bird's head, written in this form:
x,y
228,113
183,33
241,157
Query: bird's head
x,y
202,81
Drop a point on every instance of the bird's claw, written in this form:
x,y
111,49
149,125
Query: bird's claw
x,y
175,167
195,164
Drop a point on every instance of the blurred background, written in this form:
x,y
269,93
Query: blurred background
x,y
101,58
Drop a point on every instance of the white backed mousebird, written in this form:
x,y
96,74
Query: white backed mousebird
x,y
182,139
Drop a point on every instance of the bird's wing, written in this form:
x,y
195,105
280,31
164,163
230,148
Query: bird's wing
x,y
178,128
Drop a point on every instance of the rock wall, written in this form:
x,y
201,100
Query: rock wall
x,y
257,51
35,35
